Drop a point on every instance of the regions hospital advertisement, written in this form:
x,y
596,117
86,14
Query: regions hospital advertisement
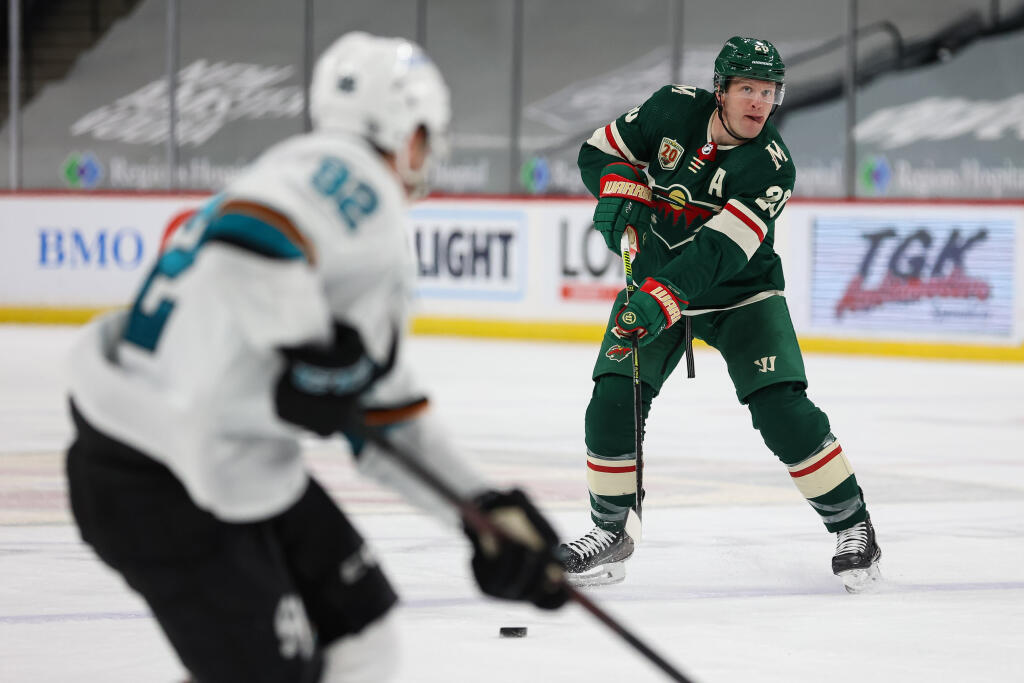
x,y
908,278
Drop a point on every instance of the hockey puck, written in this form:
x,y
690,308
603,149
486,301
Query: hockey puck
x,y
512,631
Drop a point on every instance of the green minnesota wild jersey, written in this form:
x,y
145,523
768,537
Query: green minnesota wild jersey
x,y
713,227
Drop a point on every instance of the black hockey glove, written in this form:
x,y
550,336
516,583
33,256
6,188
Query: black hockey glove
x,y
523,565
320,385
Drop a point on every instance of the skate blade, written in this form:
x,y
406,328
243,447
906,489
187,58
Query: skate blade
x,y
862,580
602,575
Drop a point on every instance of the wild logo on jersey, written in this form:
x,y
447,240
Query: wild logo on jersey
x,y
618,352
675,207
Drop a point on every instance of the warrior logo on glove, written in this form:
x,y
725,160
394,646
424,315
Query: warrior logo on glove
x,y
652,309
625,201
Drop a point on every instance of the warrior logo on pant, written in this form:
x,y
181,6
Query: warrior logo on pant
x,y
292,628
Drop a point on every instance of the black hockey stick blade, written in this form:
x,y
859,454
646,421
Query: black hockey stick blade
x,y
688,349
480,522
638,421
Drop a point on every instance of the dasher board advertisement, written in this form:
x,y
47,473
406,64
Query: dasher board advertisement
x,y
470,253
87,251
914,275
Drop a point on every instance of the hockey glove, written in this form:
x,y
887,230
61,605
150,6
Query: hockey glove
x,y
655,307
320,386
521,566
625,200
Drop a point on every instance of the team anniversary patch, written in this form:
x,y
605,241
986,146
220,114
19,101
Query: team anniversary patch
x,y
618,352
669,153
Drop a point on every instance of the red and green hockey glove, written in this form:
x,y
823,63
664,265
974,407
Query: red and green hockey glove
x,y
625,200
655,307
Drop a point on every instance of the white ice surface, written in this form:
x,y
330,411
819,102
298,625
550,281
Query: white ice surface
x,y
731,584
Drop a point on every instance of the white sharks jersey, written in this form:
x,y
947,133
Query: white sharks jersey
x,y
314,231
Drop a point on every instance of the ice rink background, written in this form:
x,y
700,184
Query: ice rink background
x,y
732,582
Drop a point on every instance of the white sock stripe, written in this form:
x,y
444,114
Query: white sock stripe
x,y
618,479
610,516
845,505
612,507
822,472
840,516
816,456
627,460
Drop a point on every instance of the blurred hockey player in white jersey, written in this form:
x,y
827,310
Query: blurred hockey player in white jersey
x,y
281,307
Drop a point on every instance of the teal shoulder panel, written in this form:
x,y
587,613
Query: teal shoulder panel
x,y
253,234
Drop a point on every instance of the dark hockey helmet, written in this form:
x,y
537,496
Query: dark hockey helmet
x,y
750,58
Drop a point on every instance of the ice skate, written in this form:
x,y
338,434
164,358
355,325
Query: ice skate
x,y
856,558
598,558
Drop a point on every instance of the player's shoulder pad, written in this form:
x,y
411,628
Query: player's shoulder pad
x,y
256,225
674,101
315,177
677,94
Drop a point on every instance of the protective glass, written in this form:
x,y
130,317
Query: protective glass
x,y
760,91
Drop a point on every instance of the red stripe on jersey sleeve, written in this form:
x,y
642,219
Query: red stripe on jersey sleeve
x,y
611,140
746,221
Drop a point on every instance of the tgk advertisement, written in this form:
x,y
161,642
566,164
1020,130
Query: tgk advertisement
x,y
914,275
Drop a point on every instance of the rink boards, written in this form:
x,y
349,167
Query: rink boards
x,y
917,278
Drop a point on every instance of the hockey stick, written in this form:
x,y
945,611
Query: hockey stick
x,y
688,347
628,248
481,523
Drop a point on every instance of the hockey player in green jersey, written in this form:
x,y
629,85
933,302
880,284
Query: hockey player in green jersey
x,y
699,178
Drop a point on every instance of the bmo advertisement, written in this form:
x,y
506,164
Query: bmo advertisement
x,y
68,251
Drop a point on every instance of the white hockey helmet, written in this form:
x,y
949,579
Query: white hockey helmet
x,y
382,89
